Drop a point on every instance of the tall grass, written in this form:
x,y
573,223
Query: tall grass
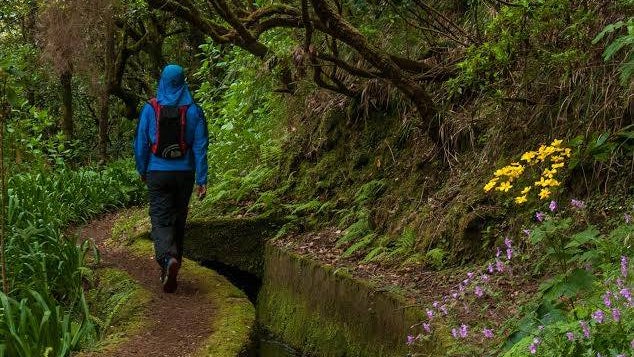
x,y
45,312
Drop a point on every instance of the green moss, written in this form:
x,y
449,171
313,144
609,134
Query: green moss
x,y
117,304
324,311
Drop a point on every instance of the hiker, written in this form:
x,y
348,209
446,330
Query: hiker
x,y
170,150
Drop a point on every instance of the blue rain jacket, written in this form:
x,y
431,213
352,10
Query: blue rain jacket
x,y
173,91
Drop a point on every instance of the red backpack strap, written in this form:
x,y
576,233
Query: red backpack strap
x,y
157,114
183,114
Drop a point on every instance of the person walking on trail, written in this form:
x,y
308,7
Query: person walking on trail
x,y
170,151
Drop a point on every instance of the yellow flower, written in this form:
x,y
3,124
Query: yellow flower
x,y
504,187
558,165
528,156
556,143
556,159
544,193
521,199
567,152
526,190
489,186
550,173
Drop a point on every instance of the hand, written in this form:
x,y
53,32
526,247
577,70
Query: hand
x,y
201,191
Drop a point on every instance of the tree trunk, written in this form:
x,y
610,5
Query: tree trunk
x,y
109,77
67,103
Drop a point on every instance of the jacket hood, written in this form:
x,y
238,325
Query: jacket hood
x,y
172,89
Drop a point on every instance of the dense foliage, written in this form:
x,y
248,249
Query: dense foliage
x,y
45,311
379,120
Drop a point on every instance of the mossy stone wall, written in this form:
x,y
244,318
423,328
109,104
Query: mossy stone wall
x,y
327,313
235,242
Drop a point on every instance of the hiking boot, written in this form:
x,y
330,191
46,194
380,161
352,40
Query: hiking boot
x,y
169,278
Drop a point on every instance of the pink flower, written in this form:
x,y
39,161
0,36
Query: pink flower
x,y
430,314
606,299
426,327
585,329
570,336
577,204
540,216
454,333
464,330
598,316
509,253
487,333
410,339
533,347
616,315
478,291
499,266
508,242
490,269
553,206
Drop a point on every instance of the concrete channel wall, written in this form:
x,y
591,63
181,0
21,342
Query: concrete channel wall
x,y
314,308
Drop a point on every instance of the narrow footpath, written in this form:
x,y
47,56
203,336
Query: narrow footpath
x,y
177,324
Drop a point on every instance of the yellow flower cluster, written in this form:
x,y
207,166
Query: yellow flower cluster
x,y
555,154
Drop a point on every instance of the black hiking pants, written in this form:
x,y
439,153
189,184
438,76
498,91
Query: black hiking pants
x,y
169,193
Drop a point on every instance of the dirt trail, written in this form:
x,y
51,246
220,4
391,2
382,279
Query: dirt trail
x,y
178,323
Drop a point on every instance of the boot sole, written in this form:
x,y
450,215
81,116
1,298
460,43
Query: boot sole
x,y
170,284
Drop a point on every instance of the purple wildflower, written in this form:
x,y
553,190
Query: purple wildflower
x,y
527,231
553,206
435,304
478,291
619,282
490,269
497,252
628,218
499,266
470,275
410,339
443,309
585,329
616,314
533,347
464,330
577,204
509,253
540,216
454,295
507,242
625,292
598,316
624,266
454,333
606,299
570,336
485,278
426,327
487,333
430,314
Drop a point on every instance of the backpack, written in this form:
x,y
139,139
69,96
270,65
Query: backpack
x,y
169,142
